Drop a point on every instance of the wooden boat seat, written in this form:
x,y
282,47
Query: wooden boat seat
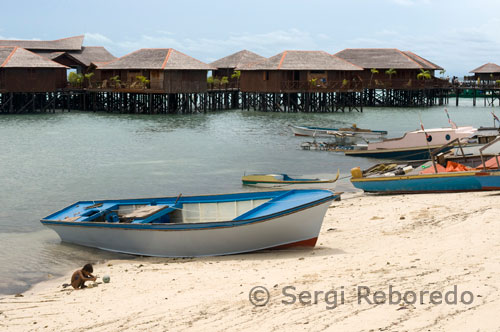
x,y
144,212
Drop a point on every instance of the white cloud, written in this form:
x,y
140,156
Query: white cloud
x,y
206,49
91,38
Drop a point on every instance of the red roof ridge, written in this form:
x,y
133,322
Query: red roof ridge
x,y
282,59
124,56
427,62
41,56
10,56
190,57
166,58
405,55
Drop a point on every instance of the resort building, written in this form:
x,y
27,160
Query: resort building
x,y
25,71
225,66
299,71
162,69
487,73
392,68
67,51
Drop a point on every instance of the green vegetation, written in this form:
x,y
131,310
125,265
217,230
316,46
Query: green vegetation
x,y
224,80
344,83
75,80
88,77
143,81
116,81
210,80
424,75
391,72
236,75
373,71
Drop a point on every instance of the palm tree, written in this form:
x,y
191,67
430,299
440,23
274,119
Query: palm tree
x,y
424,75
442,71
390,72
374,71
88,77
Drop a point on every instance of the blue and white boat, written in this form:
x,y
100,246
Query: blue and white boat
x,y
188,226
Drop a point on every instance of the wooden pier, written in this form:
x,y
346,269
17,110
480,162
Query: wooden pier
x,y
156,102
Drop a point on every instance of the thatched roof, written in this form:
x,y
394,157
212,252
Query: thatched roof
x,y
65,44
90,54
237,59
302,60
385,58
156,58
16,57
488,68
426,64
49,54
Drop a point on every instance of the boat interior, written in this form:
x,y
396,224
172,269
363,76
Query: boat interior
x,y
202,209
445,163
156,212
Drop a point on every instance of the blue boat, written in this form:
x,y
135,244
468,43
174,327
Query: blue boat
x,y
187,226
412,178
489,180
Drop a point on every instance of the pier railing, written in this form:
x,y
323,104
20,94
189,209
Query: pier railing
x,y
356,85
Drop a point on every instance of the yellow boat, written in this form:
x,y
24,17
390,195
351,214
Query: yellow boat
x,y
270,180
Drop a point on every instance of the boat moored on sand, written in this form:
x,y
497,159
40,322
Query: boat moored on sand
x,y
442,174
188,226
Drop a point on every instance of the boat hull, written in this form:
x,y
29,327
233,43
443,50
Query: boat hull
x,y
420,153
330,132
431,183
489,180
290,228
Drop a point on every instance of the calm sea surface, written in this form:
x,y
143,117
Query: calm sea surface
x,y
50,161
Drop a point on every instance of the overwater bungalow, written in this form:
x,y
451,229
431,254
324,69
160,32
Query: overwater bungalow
x,y
66,51
225,66
164,70
392,68
487,73
299,71
25,71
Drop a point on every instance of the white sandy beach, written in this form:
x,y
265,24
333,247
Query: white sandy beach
x,y
420,243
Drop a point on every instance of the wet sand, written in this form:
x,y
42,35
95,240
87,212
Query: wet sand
x,y
426,244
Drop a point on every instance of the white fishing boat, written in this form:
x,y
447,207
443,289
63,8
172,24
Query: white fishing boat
x,y
196,225
349,135
413,145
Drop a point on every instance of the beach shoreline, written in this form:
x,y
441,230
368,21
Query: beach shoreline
x,y
428,243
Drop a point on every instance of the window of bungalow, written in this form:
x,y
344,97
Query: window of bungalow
x,y
266,75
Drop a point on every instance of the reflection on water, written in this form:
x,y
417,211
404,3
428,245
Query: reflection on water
x,y
48,161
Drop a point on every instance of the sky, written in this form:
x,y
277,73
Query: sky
x,y
458,35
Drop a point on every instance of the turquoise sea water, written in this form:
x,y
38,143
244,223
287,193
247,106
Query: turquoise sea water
x,y
48,161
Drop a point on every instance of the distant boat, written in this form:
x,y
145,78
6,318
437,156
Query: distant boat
x,y
349,135
196,225
473,173
414,145
272,180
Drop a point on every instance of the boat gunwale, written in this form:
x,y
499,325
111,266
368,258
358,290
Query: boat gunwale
x,y
192,226
382,132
